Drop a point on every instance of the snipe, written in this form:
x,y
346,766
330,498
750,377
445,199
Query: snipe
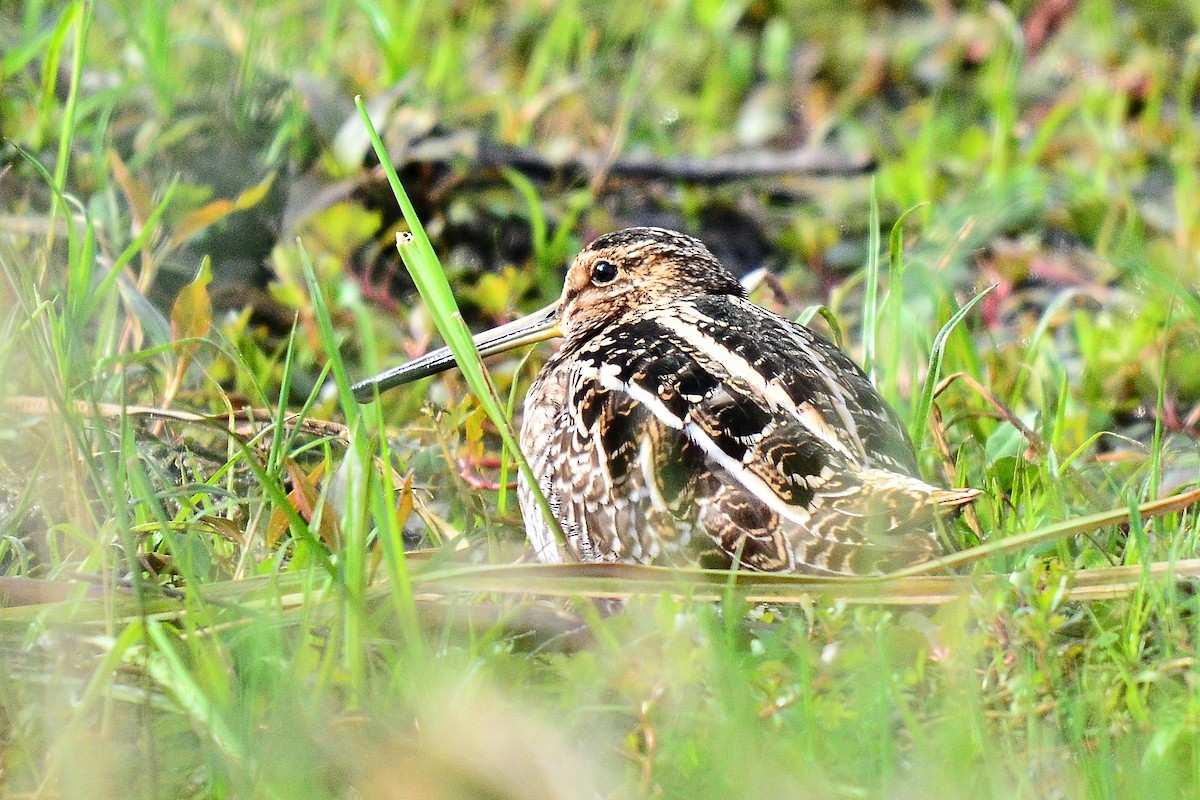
x,y
681,423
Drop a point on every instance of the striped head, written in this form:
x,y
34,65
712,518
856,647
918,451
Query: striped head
x,y
626,272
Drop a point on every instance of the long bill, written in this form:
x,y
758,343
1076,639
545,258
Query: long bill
x,y
536,327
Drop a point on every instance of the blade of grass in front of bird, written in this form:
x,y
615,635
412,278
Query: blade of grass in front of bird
x,y
836,335
505,465
620,580
430,280
603,580
1058,530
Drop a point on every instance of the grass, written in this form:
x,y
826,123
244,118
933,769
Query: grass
x,y
222,577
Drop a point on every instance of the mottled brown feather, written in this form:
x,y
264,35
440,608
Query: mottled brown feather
x,y
679,417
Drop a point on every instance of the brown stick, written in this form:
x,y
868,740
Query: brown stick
x,y
485,153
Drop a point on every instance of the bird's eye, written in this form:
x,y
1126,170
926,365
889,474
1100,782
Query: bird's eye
x,y
603,273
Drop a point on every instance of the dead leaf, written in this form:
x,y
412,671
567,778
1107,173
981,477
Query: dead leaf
x,y
405,506
217,210
304,498
191,316
136,193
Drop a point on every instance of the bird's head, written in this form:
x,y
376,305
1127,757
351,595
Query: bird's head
x,y
615,278
625,273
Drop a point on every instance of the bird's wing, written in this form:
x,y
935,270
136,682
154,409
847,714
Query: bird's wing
x,y
775,478
798,372
782,498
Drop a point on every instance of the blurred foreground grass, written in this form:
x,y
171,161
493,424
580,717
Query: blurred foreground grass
x,y
221,578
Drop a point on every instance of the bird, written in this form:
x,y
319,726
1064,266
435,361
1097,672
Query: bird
x,y
679,423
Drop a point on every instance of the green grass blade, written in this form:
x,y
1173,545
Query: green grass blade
x,y
894,304
79,15
920,420
1071,527
870,312
426,270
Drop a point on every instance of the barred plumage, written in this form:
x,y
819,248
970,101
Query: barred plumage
x,y
681,423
